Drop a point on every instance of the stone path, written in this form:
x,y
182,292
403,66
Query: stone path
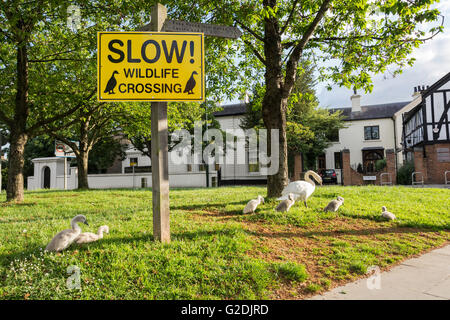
x,y
424,278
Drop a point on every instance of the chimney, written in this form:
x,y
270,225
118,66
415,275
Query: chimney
x,y
416,92
356,101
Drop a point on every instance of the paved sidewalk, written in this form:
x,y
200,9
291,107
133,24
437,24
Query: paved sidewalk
x,y
424,278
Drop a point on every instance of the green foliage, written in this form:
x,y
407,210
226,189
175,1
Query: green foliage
x,y
359,169
404,174
380,164
39,147
104,153
309,129
313,288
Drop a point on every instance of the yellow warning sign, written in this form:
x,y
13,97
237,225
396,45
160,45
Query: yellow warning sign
x,y
150,66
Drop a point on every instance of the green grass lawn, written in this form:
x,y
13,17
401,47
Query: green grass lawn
x,y
216,252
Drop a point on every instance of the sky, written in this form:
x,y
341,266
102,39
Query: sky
x,y
432,63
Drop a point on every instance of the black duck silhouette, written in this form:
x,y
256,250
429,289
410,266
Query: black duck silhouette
x,y
190,84
112,82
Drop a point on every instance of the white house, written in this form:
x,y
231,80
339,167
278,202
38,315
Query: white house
x,y
370,130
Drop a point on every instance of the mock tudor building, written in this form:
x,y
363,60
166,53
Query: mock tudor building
x,y
426,133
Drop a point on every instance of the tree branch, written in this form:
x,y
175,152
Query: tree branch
x,y
253,33
256,52
57,59
291,14
291,66
60,116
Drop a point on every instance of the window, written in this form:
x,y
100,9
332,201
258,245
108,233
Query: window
x,y
337,160
372,133
202,167
252,158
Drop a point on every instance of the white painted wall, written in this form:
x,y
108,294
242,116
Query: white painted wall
x,y
234,171
352,138
111,181
56,166
398,118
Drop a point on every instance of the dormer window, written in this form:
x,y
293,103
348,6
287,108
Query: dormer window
x,y
372,133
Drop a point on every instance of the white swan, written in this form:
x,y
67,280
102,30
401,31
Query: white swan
x,y
285,205
253,204
65,238
386,214
87,237
334,204
301,189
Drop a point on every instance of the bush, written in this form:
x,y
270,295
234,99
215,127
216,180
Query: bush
x,y
404,173
359,168
380,164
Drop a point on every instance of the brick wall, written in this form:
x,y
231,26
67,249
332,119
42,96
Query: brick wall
x,y
435,162
354,178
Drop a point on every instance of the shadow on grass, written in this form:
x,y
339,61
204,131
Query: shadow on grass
x,y
401,222
17,204
30,220
341,232
207,206
103,243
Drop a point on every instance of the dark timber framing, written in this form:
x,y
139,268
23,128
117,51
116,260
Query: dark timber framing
x,y
435,95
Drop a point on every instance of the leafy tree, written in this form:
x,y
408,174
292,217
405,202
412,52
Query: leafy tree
x,y
353,39
104,153
309,129
86,127
39,55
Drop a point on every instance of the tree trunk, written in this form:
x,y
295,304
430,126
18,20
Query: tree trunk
x,y
82,164
15,188
19,136
274,104
275,118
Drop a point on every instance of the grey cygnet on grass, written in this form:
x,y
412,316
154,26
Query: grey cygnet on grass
x,y
65,238
334,204
285,205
